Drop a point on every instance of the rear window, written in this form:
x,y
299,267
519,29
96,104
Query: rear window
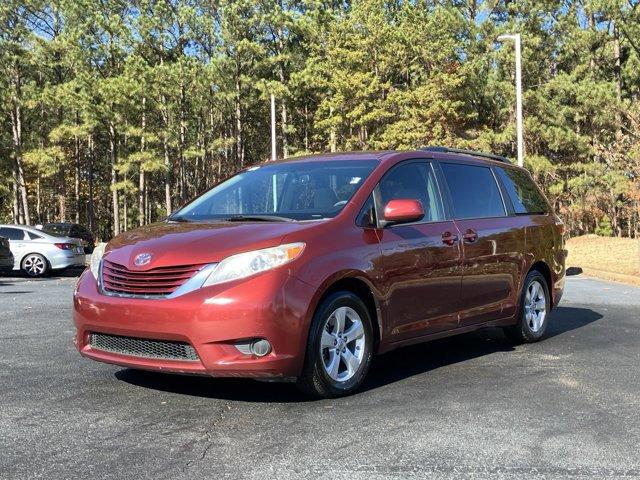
x,y
55,229
474,191
524,194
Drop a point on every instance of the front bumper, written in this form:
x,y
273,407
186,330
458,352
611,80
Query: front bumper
x,y
212,320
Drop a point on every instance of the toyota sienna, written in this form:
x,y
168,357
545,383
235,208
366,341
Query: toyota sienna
x,y
303,269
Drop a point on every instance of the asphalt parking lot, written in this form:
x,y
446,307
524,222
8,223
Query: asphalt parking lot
x,y
464,407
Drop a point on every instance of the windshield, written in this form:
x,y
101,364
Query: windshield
x,y
299,190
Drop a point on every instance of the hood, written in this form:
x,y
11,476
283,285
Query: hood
x,y
193,243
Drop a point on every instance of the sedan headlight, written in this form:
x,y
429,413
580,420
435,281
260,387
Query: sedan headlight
x,y
96,257
249,263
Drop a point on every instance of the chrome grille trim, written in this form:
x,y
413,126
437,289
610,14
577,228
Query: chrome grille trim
x,y
143,347
191,284
155,282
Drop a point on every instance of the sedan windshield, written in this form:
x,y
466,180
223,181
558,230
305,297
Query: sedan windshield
x,y
297,190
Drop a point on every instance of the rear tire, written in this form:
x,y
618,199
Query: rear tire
x,y
339,348
35,265
533,314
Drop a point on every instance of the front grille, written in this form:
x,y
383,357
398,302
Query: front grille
x,y
142,347
156,282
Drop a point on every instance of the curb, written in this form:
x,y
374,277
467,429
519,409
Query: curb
x,y
616,277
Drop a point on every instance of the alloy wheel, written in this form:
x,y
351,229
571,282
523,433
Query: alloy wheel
x,y
342,345
34,265
535,306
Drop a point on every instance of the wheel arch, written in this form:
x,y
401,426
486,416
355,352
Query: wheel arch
x,y
364,290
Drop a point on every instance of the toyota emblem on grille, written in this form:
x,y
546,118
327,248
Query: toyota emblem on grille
x,y
142,259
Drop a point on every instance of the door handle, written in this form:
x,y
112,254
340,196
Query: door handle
x,y
470,236
449,238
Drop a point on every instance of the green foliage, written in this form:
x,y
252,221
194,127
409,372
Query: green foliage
x,y
604,228
134,97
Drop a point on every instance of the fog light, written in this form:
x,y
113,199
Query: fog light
x,y
260,348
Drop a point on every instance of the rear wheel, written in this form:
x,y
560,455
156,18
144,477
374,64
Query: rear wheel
x,y
339,348
35,265
533,316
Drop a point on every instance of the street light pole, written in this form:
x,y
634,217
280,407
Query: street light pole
x,y
519,130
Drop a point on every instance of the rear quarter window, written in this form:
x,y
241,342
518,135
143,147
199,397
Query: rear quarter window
x,y
523,192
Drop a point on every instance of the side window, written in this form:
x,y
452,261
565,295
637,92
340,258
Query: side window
x,y
12,233
474,191
367,216
414,180
524,194
32,236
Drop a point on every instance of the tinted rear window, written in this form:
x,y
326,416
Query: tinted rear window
x,y
474,191
55,229
524,194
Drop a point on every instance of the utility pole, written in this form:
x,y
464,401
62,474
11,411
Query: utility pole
x,y
519,130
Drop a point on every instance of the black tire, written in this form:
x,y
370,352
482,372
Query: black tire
x,y
315,380
525,331
35,265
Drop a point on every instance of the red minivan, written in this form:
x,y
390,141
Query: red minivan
x,y
303,269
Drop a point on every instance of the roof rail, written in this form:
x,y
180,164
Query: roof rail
x,y
437,148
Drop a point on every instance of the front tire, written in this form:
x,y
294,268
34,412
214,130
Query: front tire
x,y
339,348
533,316
35,265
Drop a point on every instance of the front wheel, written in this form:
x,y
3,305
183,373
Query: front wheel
x,y
339,348
533,316
35,265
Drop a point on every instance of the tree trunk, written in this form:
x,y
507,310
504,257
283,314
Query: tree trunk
x,y
77,175
16,127
141,179
39,198
284,121
332,134
113,156
239,144
90,206
16,197
617,71
183,140
125,211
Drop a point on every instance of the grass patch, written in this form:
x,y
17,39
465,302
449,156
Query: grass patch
x,y
609,254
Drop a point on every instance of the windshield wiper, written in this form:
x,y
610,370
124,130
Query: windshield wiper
x,y
177,218
259,218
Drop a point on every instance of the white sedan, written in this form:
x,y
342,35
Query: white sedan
x,y
37,253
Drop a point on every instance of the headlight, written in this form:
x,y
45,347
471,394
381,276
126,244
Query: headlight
x,y
249,263
96,257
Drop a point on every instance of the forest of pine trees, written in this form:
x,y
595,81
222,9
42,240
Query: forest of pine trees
x,y
115,112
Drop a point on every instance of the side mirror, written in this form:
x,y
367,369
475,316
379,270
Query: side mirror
x,y
403,211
